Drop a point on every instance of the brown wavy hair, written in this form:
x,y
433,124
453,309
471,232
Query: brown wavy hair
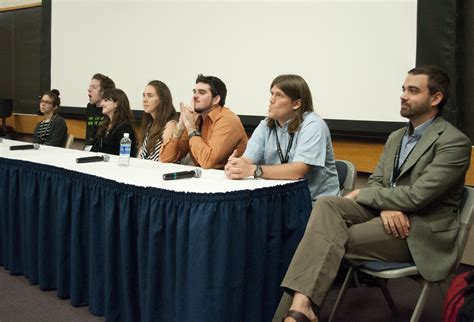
x,y
105,81
122,113
165,112
296,88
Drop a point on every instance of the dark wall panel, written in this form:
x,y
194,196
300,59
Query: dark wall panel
x,y
465,66
436,44
6,54
27,59
45,46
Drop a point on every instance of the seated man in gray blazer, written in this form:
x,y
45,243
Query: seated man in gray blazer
x,y
408,211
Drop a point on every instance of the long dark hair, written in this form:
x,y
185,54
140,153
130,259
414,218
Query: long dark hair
x,y
296,88
164,113
122,113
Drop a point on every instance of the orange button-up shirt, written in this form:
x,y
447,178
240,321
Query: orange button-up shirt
x,y
222,132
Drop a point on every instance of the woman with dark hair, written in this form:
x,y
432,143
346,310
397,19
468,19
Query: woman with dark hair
x,y
291,143
53,129
158,122
117,121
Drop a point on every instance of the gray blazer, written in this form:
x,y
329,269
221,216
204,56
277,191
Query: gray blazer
x,y
429,190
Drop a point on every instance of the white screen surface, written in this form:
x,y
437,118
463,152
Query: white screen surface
x,y
353,54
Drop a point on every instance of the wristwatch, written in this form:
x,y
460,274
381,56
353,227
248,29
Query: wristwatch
x,y
194,133
258,172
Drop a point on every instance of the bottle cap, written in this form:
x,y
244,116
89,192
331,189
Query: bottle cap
x,y
126,135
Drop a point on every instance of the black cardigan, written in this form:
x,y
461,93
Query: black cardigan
x,y
110,143
57,134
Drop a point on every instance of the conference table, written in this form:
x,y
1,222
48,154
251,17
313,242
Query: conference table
x,y
134,247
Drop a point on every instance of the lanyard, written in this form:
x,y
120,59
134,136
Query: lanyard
x,y
397,168
284,160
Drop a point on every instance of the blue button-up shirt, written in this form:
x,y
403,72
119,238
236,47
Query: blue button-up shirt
x,y
311,145
410,140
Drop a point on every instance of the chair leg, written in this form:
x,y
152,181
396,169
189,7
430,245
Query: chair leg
x,y
356,279
342,293
383,286
443,293
420,304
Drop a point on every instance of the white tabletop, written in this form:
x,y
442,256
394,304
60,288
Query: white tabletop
x,y
143,173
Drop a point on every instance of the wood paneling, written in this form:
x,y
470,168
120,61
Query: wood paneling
x,y
17,5
26,123
363,154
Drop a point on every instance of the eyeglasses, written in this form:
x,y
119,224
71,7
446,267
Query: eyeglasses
x,y
46,102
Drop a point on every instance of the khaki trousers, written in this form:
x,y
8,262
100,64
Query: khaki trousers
x,y
338,227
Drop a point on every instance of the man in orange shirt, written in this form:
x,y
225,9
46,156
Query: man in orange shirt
x,y
208,130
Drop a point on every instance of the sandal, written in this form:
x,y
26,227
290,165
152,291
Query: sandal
x,y
298,316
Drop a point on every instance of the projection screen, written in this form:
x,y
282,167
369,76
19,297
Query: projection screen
x,y
353,54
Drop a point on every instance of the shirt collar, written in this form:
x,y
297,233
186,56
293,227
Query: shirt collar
x,y
286,124
420,129
214,112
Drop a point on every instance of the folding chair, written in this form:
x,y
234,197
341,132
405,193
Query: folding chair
x,y
390,270
347,174
69,141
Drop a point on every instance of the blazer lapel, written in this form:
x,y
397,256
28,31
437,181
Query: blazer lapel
x,y
430,136
392,150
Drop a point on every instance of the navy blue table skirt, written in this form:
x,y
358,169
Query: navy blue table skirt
x,y
147,254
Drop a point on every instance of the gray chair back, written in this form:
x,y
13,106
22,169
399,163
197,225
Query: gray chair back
x,y
69,141
466,217
347,174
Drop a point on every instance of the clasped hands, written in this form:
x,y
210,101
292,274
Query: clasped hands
x,y
238,168
394,222
188,117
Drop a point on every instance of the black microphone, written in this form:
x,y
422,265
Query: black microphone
x,y
96,158
182,174
34,146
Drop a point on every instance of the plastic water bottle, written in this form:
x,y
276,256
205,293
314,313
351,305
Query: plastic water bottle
x,y
125,147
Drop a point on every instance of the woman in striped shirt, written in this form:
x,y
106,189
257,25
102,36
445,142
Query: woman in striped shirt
x,y
53,129
158,122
